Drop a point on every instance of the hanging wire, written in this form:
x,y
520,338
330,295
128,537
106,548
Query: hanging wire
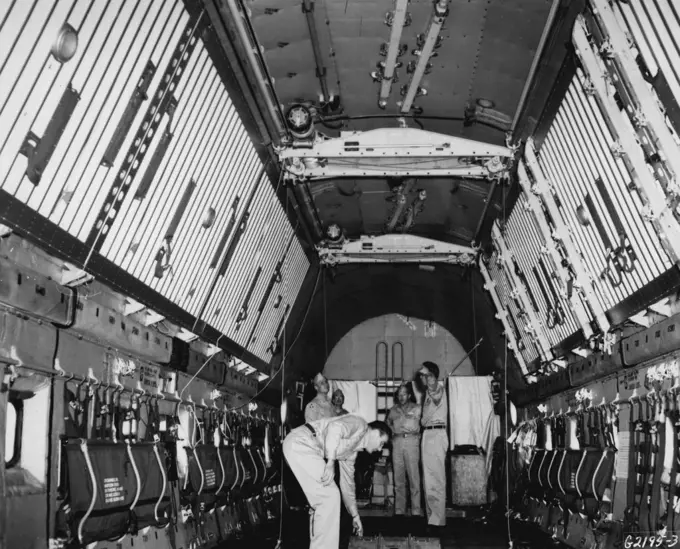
x,y
325,320
217,344
285,352
505,415
474,324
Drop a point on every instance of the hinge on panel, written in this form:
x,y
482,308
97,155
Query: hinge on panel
x,y
39,150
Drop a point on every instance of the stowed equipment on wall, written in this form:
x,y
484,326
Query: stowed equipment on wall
x,y
231,472
126,486
566,486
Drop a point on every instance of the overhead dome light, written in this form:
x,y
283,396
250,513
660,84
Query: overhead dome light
x,y
334,232
299,120
66,44
485,103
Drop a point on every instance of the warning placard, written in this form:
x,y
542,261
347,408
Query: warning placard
x,y
210,478
113,491
149,377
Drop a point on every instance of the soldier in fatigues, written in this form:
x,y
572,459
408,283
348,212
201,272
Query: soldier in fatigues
x,y
320,406
312,451
404,420
434,445
338,400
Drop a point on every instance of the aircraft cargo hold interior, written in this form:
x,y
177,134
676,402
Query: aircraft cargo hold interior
x,y
339,274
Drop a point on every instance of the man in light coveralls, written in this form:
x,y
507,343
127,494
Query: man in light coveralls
x,y
312,450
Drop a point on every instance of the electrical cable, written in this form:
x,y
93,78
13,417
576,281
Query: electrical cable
x,y
505,420
505,438
286,352
415,117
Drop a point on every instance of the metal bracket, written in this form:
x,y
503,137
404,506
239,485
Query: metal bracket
x,y
645,98
660,215
151,317
394,152
539,327
582,278
662,308
72,276
132,306
395,248
582,352
535,206
502,315
642,319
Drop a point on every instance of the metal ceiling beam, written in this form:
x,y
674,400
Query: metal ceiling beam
x,y
308,9
535,207
581,279
249,103
395,248
393,152
534,65
657,201
440,10
393,50
502,315
234,14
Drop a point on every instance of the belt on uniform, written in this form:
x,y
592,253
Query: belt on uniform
x,y
434,427
405,435
311,429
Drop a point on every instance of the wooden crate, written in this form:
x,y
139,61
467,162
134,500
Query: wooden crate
x,y
468,480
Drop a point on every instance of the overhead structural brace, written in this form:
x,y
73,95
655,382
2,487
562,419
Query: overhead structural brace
x,y
250,48
393,152
439,13
657,202
395,248
393,51
502,315
308,10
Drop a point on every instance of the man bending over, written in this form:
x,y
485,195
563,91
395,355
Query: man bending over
x,y
312,450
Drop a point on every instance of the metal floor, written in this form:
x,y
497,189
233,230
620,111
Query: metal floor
x,y
458,534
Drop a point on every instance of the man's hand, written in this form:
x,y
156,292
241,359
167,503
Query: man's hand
x,y
358,527
328,473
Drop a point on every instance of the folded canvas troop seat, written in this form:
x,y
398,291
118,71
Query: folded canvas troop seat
x,y
216,473
114,488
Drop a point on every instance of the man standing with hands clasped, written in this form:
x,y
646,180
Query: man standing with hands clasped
x,y
312,450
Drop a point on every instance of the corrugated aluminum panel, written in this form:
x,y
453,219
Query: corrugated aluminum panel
x,y
619,248
134,147
517,317
528,246
654,25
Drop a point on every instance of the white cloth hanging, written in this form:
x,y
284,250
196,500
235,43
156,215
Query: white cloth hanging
x,y
470,411
360,398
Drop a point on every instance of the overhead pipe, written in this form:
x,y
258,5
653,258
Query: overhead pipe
x,y
306,209
263,81
534,65
441,10
400,206
393,48
308,10
487,203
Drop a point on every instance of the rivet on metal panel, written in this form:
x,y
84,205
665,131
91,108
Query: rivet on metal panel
x,y
66,44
